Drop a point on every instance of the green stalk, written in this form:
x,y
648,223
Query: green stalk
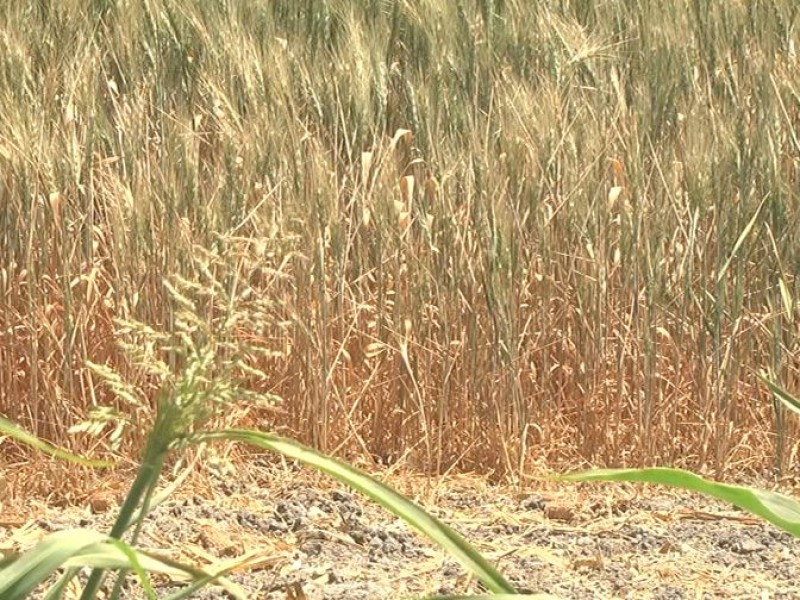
x,y
141,491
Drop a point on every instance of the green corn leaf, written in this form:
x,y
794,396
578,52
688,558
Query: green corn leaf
x,y
778,509
31,568
785,398
76,548
407,510
10,429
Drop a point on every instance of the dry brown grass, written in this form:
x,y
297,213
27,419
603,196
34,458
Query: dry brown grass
x,y
553,263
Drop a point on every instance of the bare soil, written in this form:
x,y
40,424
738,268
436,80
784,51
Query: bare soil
x,y
305,538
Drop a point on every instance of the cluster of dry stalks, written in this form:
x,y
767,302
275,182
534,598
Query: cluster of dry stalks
x,y
490,233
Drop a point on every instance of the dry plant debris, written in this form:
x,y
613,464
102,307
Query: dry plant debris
x,y
304,537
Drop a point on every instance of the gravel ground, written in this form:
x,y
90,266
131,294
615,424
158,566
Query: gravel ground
x,y
306,539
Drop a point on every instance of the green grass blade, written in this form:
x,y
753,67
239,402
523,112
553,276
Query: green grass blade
x,y
785,398
778,509
201,577
57,590
23,575
77,548
116,554
10,429
134,560
217,576
407,510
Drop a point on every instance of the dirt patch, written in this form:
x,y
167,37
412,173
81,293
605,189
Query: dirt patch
x,y
306,538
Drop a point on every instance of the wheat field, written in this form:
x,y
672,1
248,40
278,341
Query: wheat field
x,y
483,235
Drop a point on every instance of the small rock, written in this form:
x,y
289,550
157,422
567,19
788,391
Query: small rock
x,y
312,548
533,503
315,513
359,536
559,513
746,546
339,496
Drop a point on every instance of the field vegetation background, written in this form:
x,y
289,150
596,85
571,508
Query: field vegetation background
x,y
478,234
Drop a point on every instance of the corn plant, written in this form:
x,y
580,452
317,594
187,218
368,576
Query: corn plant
x,y
779,509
